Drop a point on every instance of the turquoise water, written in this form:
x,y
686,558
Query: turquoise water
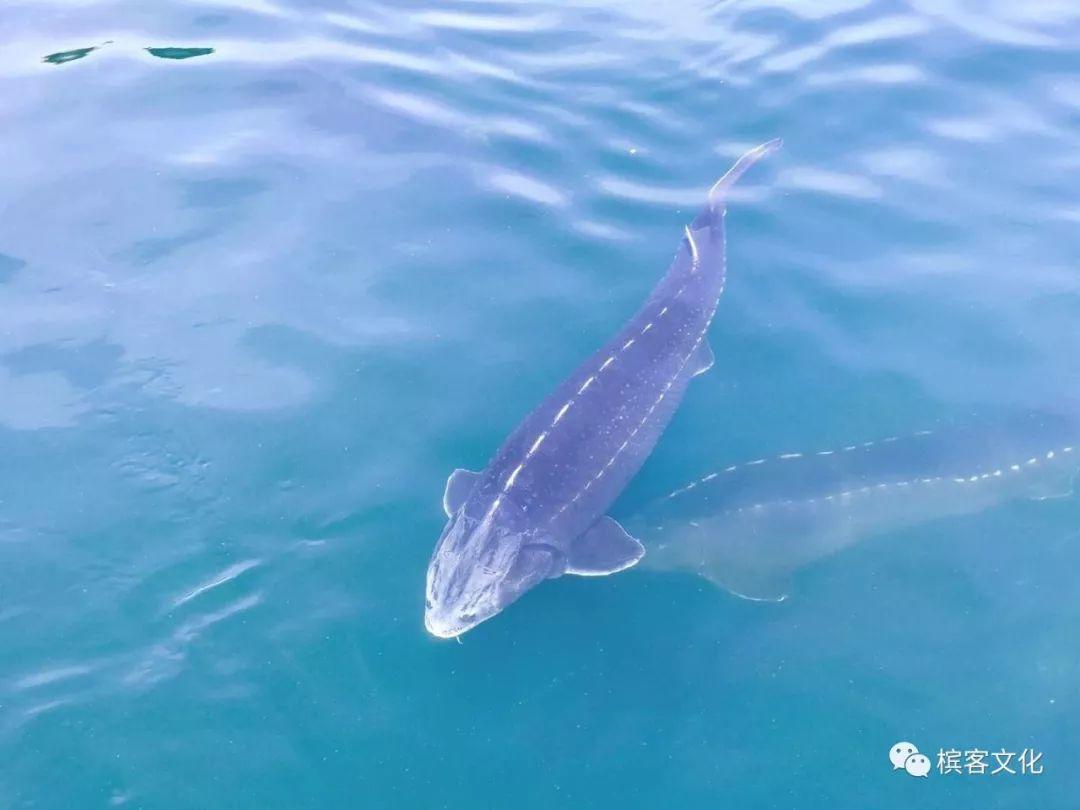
x,y
270,270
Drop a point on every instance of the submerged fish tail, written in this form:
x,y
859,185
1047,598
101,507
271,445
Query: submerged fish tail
x,y
718,193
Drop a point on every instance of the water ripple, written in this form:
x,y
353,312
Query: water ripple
x,y
488,22
165,658
823,181
222,578
526,188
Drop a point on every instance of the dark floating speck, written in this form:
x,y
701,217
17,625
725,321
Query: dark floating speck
x,y
178,53
67,56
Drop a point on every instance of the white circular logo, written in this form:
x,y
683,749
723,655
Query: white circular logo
x,y
917,765
899,753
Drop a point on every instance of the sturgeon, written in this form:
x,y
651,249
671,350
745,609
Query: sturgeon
x,y
749,527
538,510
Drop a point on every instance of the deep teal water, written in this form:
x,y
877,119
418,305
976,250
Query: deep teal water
x,y
264,286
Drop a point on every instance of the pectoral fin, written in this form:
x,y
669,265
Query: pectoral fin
x,y
1062,485
703,358
458,486
753,584
605,548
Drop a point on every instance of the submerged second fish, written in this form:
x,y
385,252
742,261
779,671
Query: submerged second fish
x,y
749,527
537,510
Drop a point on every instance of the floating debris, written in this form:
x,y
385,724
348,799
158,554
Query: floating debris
x,y
67,56
178,53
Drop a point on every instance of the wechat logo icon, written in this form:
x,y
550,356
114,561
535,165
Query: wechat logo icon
x,y
906,757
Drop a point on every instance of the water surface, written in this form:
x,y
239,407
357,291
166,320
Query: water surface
x,y
270,270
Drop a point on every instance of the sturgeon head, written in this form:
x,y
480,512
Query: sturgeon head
x,y
480,566
489,555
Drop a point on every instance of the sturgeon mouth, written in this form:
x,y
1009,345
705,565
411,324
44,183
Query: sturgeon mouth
x,y
437,630
440,630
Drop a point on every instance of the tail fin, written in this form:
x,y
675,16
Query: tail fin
x,y
718,193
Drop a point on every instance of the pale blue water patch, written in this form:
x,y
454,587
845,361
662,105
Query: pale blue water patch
x,y
257,303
